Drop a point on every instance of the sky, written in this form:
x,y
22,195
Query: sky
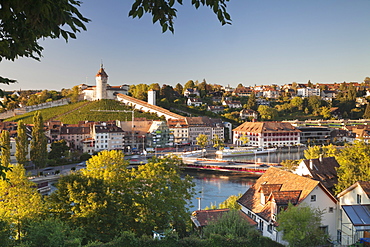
x,y
269,42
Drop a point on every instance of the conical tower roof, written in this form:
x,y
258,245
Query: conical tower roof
x,y
101,72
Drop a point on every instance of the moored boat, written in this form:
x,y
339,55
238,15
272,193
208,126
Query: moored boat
x,y
243,151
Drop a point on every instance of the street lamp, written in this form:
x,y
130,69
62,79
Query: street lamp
x,y
198,198
144,152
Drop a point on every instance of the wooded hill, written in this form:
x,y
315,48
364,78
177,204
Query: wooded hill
x,y
86,111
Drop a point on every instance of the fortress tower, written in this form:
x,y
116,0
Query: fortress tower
x,y
101,84
151,97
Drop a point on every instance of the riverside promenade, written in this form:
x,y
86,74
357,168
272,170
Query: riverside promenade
x,y
252,169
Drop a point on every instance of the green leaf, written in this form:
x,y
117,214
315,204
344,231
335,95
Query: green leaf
x,y
164,28
64,34
140,12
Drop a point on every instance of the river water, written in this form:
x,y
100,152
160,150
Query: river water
x,y
276,157
214,188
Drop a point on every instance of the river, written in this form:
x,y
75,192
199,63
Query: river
x,y
274,157
214,188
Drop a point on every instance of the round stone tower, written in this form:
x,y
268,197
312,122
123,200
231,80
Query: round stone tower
x,y
101,84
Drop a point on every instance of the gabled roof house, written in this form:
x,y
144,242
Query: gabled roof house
x,y
322,169
272,193
354,214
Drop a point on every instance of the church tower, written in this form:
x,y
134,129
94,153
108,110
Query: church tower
x,y
101,84
151,97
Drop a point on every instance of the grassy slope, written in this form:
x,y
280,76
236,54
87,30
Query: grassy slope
x,y
47,113
85,114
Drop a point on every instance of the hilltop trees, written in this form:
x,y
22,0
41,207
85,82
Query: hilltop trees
x,y
21,143
267,113
367,112
139,91
38,144
189,84
297,102
251,104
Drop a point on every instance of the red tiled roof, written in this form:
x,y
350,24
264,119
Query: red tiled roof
x,y
202,218
265,127
284,197
284,187
324,170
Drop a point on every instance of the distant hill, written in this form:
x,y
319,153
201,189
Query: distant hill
x,y
85,111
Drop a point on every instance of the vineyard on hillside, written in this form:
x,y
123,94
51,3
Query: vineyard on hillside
x,y
90,113
47,113
72,114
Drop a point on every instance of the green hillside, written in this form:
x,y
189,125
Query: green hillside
x,y
86,111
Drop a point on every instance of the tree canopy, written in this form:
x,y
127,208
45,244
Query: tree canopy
x,y
107,197
301,226
20,200
24,22
202,140
354,165
230,224
164,11
21,143
38,150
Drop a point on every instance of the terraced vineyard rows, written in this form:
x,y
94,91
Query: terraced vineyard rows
x,y
89,113
47,113
73,113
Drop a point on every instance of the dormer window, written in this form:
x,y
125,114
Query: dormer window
x,y
263,200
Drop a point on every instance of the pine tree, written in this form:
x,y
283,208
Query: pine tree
x,y
251,104
5,148
38,144
21,143
367,112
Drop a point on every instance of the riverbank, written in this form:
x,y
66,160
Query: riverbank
x,y
250,169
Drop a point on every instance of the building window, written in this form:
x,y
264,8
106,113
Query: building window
x,y
324,229
261,225
269,228
339,236
331,210
313,198
358,199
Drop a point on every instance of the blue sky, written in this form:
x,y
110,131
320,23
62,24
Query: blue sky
x,y
269,42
